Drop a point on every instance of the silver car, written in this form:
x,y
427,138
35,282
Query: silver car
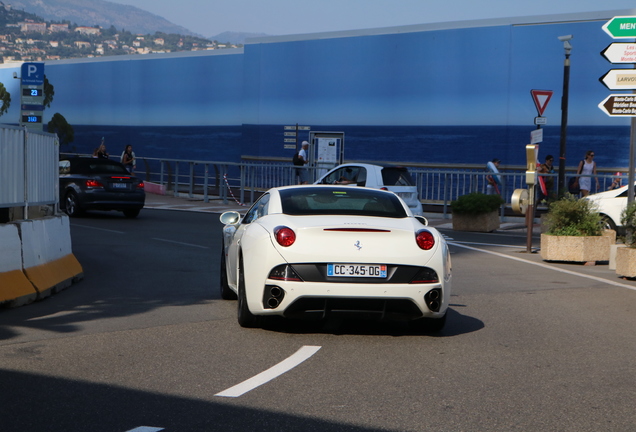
x,y
396,179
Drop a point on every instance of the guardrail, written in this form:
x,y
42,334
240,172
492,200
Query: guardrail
x,y
245,181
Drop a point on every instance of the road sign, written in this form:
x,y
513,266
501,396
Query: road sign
x,y
32,74
541,99
621,27
290,133
303,128
620,52
540,121
619,79
623,105
536,136
290,140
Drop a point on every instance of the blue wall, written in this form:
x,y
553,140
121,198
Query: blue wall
x,y
430,93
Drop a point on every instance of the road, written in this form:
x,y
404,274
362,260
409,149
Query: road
x,y
145,341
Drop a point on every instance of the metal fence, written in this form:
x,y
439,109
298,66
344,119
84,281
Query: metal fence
x,y
28,168
245,181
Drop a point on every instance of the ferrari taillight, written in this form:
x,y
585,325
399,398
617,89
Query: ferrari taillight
x,y
425,239
91,183
284,236
140,185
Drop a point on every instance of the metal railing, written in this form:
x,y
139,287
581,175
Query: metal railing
x,y
245,181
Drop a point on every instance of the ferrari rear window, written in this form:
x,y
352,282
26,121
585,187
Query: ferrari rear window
x,y
340,201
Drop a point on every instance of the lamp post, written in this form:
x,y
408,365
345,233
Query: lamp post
x,y
564,112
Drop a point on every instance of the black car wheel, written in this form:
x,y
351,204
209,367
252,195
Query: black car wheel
x,y
131,213
226,292
608,223
245,317
71,204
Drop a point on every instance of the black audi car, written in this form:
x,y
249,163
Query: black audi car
x,y
99,184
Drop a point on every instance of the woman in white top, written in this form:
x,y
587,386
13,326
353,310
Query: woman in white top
x,y
587,170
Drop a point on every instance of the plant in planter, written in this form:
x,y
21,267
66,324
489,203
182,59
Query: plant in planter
x,y
476,212
626,256
574,232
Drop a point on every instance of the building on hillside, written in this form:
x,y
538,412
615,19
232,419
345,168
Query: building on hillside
x,y
88,30
53,28
32,27
82,44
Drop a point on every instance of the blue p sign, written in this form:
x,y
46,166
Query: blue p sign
x,y
32,73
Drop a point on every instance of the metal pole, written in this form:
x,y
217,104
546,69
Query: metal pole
x,y
564,123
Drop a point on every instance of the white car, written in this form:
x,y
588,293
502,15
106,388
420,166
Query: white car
x,y
316,250
611,204
394,178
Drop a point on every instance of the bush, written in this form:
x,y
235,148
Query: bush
x,y
476,203
628,220
570,216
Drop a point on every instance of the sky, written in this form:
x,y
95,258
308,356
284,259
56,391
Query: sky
x,y
285,17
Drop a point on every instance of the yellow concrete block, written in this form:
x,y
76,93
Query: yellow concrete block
x,y
15,288
53,276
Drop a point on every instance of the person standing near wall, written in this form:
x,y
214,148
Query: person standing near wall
x,y
494,179
301,171
128,159
587,170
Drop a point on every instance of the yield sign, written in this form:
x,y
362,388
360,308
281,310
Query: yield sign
x,y
541,99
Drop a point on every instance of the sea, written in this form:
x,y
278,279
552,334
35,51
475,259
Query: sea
x,y
396,144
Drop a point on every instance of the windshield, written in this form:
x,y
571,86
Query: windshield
x,y
340,201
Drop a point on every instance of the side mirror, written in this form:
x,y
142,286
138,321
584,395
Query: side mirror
x,y
230,218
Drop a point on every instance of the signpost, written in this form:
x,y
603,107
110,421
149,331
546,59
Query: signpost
x,y
620,52
617,105
288,133
621,27
32,95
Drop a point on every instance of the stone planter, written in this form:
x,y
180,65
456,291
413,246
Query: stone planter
x,y
485,222
575,248
626,262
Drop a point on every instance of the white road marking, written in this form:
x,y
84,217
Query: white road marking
x,y
289,363
546,266
145,429
98,229
181,243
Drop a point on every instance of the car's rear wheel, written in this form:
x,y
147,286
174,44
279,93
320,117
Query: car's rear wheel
x,y
132,213
429,325
245,317
226,291
608,223
71,204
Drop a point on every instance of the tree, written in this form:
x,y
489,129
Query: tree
x,y
58,125
5,98
49,92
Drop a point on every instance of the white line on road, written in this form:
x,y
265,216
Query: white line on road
x,y
98,229
607,281
289,363
145,429
181,243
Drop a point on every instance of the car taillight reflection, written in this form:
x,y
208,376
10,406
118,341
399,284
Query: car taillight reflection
x,y
140,185
93,184
425,239
284,236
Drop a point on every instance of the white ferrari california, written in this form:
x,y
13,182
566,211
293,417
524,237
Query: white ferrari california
x,y
315,251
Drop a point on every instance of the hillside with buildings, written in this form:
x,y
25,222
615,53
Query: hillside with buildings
x,y
27,37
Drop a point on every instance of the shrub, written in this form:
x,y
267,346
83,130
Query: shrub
x,y
570,216
628,220
476,203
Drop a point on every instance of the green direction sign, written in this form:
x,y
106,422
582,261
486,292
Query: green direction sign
x,y
621,27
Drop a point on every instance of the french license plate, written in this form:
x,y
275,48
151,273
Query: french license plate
x,y
120,185
357,270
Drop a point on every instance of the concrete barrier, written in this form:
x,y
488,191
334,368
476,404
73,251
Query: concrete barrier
x,y
15,288
47,258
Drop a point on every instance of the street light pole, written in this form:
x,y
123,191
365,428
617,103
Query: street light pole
x,y
564,112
